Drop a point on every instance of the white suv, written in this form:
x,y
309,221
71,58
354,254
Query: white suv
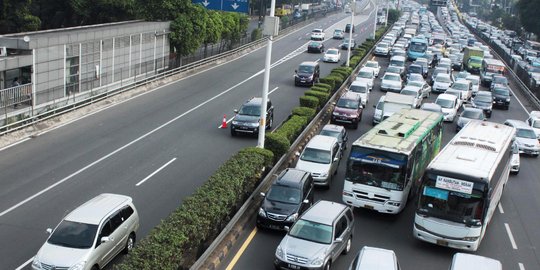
x,y
317,34
90,236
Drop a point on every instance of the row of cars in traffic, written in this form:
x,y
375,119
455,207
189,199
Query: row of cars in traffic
x,y
318,232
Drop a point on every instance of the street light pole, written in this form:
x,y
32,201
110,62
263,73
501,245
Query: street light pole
x,y
353,8
266,79
386,18
375,21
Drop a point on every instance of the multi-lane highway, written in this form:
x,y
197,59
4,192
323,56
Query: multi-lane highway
x,y
512,236
167,137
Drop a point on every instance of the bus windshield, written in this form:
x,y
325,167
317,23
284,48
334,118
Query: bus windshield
x,y
443,200
376,168
418,47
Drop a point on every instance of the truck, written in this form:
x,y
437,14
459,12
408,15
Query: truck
x,y
472,59
284,10
394,102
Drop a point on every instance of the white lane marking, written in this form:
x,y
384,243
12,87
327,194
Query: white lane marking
x,y
521,266
500,208
230,119
24,264
15,143
156,171
519,101
510,235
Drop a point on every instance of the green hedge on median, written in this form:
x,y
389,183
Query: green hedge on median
x,y
277,144
329,82
291,128
324,85
201,216
304,111
309,101
321,89
322,96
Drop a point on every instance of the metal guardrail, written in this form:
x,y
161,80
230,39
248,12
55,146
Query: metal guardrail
x,y
253,201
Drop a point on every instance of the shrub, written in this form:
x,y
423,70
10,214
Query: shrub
x,y
309,101
292,127
323,97
359,52
344,74
347,69
277,144
304,111
325,85
330,82
320,89
256,34
337,78
201,215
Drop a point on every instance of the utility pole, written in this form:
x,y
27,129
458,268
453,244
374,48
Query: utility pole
x,y
386,18
353,9
271,26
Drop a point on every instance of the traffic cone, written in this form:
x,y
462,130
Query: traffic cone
x,y
224,123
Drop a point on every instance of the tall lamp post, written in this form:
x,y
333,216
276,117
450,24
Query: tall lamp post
x,y
353,9
271,26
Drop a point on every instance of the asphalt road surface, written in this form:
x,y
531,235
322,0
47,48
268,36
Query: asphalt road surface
x,y
170,134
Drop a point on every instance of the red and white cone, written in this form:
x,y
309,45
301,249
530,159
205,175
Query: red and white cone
x,y
224,123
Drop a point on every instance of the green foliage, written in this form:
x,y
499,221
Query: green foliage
x,y
344,74
304,111
256,34
528,15
359,51
321,89
291,128
213,27
309,101
323,97
354,61
346,69
201,216
338,79
161,10
393,16
323,85
187,31
15,16
329,82
277,144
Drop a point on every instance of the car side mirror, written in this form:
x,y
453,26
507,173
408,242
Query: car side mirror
x,y
306,201
335,159
338,240
334,103
374,106
49,230
511,94
105,239
263,194
235,111
297,154
286,228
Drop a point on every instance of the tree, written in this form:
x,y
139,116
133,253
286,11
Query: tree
x,y
393,15
161,10
213,30
102,11
16,17
529,18
188,30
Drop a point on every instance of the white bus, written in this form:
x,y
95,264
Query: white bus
x,y
387,162
463,185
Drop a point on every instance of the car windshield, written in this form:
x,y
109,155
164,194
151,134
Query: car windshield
x,y
383,45
443,79
536,124
316,155
473,114
499,80
306,69
483,98
460,86
473,80
337,32
393,69
284,194
317,31
415,69
331,133
376,168
525,133
314,44
445,103
73,235
358,88
252,110
347,103
332,52
391,77
365,74
416,77
416,83
312,231
409,92
372,65
461,207
501,92
397,63
475,61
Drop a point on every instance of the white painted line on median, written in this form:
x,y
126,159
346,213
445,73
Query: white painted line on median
x,y
156,171
25,264
509,232
500,208
230,119
521,266
13,144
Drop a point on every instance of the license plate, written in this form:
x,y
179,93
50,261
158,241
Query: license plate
x,y
303,81
292,266
368,206
274,227
442,243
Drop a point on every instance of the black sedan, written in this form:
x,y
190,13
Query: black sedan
x,y
315,47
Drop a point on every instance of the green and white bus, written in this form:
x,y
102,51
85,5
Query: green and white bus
x,y
386,164
462,186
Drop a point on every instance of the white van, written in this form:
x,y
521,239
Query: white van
x,y
371,258
465,261
321,158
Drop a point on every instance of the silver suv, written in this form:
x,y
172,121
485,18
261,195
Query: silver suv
x,y
317,238
90,236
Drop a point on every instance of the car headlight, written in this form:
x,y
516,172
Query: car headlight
x,y
78,266
235,122
508,99
262,213
470,238
279,252
292,218
253,124
36,263
317,261
324,174
335,113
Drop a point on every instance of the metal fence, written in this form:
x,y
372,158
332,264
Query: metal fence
x,y
14,96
